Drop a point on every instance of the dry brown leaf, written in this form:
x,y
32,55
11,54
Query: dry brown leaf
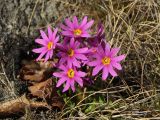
x,y
42,89
18,105
48,91
34,71
39,73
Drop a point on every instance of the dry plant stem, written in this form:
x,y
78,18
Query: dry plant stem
x,y
32,16
18,105
7,83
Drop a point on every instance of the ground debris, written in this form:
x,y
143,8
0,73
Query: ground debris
x,y
42,89
42,92
33,71
18,105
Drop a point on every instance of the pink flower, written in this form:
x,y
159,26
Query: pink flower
x,y
48,44
107,60
72,54
74,29
98,38
70,76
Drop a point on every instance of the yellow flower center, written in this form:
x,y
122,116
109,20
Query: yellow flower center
x,y
106,61
77,32
70,73
50,45
70,52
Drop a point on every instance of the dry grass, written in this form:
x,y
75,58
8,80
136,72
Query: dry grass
x,y
134,25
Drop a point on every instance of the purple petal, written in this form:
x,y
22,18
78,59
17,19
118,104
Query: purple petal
x,y
93,63
85,62
85,35
81,57
111,71
56,40
66,40
61,47
76,63
116,65
97,69
67,33
114,51
41,55
62,67
41,41
69,23
75,22
118,58
81,50
64,27
105,73
58,74
72,43
60,82
107,48
98,57
84,21
44,36
47,56
81,74
72,85
79,81
77,44
66,86
39,50
49,32
88,25
100,51
62,60
54,33
69,63
51,54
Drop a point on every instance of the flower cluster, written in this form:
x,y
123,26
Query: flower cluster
x,y
78,48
